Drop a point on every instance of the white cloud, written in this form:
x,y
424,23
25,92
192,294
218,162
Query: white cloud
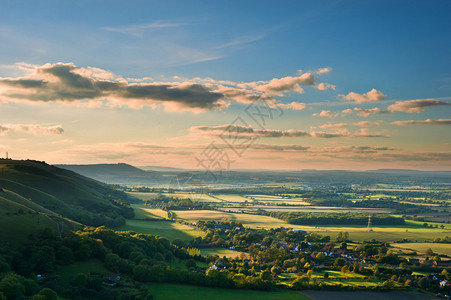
x,y
323,70
372,96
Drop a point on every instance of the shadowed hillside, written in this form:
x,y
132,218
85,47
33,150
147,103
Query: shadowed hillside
x,y
35,195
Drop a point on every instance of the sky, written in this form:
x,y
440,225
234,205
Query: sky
x,y
219,85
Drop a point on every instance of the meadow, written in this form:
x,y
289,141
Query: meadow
x,y
220,252
178,291
422,247
412,230
167,229
91,266
144,212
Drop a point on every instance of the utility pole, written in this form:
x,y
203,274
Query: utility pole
x,y
369,224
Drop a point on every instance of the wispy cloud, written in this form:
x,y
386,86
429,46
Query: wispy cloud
x,y
415,106
425,122
140,29
237,131
34,129
240,41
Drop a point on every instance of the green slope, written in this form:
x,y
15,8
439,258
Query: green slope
x,y
35,195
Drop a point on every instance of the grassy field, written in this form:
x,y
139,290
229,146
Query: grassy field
x,y
398,295
90,266
412,230
144,196
220,252
144,212
319,209
253,221
422,247
277,199
167,229
232,198
382,233
177,292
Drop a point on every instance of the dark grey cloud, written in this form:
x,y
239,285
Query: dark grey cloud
x,y
66,82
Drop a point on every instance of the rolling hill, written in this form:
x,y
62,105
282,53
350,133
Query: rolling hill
x,y
35,195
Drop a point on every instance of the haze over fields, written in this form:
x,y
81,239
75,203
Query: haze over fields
x,y
291,85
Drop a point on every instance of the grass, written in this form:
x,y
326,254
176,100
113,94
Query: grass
x,y
220,252
252,221
16,228
90,266
422,247
414,232
166,229
144,212
232,198
178,291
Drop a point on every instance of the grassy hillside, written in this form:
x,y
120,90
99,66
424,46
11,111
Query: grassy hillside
x,y
35,195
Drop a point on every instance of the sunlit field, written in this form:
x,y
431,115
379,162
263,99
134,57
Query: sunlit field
x,y
421,248
168,229
221,252
177,292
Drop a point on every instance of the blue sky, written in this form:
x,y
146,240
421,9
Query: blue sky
x,y
398,48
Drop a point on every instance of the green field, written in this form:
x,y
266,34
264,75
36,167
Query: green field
x,y
90,266
232,198
252,221
220,252
177,292
145,212
168,229
277,199
422,247
415,231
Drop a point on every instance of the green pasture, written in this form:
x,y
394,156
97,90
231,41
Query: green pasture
x,y
178,291
253,221
166,229
233,198
318,209
220,252
412,230
91,266
422,247
143,212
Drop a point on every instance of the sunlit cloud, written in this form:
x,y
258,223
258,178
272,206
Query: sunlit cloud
x,y
366,124
333,126
325,113
425,122
67,83
238,131
372,96
323,70
415,106
33,129
365,112
293,105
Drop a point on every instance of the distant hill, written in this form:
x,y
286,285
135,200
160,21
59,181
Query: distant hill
x,y
35,195
115,173
162,169
154,176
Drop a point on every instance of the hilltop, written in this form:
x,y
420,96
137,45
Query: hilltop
x,y
114,173
35,195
